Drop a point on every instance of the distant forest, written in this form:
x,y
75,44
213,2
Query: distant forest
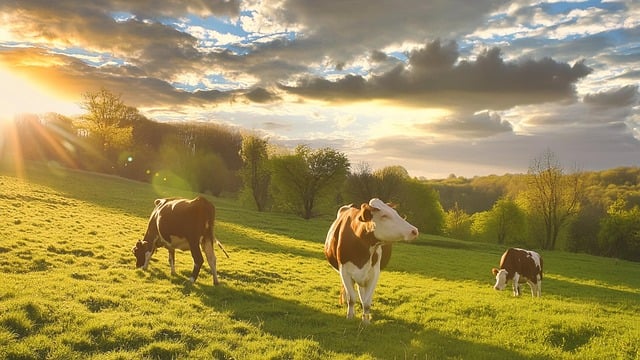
x,y
548,208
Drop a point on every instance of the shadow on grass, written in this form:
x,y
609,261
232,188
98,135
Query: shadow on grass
x,y
587,293
385,338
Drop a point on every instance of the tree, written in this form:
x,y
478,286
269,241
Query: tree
x,y
360,186
553,195
420,203
302,178
255,173
508,219
503,224
391,179
105,122
457,223
619,234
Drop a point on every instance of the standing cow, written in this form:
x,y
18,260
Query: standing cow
x,y
519,263
358,246
181,224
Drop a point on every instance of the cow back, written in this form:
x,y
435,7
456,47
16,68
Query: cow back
x,y
189,219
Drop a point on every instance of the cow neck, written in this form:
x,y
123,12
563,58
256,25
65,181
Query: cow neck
x,y
510,272
364,231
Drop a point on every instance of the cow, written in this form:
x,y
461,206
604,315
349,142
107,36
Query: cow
x,y
181,224
358,246
516,264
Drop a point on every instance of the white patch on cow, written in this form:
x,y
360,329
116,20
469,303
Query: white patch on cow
x,y
536,258
179,243
366,278
147,258
388,225
501,280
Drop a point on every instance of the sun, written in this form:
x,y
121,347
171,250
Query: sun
x,y
19,95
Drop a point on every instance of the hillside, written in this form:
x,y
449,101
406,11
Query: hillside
x,y
70,291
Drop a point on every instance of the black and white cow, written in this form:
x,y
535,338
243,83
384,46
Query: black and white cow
x,y
516,264
181,224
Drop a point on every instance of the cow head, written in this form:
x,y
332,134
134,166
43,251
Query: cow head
x,y
387,225
501,278
143,252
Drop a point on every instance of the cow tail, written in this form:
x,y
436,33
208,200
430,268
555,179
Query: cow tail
x,y
215,239
221,247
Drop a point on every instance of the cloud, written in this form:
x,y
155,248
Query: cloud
x,y
261,95
478,125
72,77
622,97
434,78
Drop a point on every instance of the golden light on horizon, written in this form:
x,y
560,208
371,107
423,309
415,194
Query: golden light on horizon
x,y
19,95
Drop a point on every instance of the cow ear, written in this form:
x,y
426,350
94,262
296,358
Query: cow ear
x,y
494,271
365,213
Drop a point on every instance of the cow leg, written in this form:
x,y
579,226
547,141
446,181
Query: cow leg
x,y
536,289
539,287
349,286
197,261
211,259
366,297
516,286
172,261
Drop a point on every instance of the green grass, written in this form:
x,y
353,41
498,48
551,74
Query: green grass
x,y
69,289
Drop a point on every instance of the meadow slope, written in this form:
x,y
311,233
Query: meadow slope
x,y
69,289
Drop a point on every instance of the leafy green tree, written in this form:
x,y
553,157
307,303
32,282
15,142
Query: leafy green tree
x,y
390,181
481,227
255,173
508,219
583,230
457,223
619,234
360,185
421,205
302,179
553,195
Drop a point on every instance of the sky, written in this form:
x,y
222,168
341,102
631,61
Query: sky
x,y
439,87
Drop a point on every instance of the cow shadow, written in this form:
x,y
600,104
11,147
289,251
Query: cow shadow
x,y
294,320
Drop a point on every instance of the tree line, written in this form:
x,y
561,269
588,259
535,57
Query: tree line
x,y
547,208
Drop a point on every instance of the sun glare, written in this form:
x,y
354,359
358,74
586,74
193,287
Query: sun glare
x,y
19,96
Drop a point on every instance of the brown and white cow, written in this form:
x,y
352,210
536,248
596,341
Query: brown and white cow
x,y
181,224
516,264
358,246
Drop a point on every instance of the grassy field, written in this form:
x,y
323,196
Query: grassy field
x,y
69,289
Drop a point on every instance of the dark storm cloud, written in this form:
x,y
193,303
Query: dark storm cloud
x,y
433,76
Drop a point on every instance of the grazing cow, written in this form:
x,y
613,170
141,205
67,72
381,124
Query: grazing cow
x,y
516,263
358,246
180,224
